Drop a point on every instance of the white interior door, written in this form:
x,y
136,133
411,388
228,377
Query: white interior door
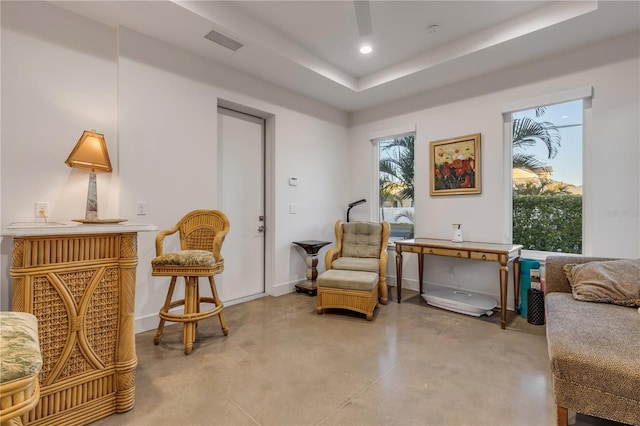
x,y
241,189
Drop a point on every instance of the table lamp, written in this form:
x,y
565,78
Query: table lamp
x,y
90,153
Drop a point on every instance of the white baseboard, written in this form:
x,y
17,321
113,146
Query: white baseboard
x,y
150,322
410,284
283,288
146,323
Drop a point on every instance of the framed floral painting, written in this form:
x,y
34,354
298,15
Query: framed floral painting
x,y
455,166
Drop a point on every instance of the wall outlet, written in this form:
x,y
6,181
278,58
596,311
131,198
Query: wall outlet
x,y
42,211
141,208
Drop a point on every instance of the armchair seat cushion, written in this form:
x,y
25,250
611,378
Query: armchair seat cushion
x,y
365,264
185,258
348,280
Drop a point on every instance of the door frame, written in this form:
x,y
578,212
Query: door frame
x,y
269,185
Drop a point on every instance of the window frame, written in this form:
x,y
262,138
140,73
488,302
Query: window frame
x,y
374,139
586,94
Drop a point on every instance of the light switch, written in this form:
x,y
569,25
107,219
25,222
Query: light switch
x,y
293,181
293,209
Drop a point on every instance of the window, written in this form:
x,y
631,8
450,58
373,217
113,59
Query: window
x,y
547,177
395,176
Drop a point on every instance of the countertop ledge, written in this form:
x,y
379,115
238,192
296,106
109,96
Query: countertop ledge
x,y
35,229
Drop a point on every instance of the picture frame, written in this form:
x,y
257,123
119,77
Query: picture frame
x,y
455,166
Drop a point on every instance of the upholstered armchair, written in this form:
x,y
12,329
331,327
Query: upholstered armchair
x,y
355,269
361,246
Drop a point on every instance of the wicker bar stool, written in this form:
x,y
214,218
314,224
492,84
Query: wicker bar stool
x,y
202,233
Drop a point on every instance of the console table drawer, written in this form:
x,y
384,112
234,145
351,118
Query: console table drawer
x,y
412,249
447,252
478,255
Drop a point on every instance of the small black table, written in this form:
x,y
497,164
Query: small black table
x,y
312,247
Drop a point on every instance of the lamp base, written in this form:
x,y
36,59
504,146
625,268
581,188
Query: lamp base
x,y
98,221
92,198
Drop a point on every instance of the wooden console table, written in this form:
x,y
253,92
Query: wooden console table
x,y
79,282
502,253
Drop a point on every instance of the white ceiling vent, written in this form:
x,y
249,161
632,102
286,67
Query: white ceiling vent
x,y
363,18
223,40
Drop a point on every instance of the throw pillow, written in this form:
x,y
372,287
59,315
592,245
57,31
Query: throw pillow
x,y
611,281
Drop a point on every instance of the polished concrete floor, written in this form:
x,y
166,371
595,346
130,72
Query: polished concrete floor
x,y
282,364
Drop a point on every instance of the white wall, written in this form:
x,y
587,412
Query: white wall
x,y
611,174
62,74
157,106
55,84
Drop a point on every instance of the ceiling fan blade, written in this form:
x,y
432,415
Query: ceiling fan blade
x,y
363,17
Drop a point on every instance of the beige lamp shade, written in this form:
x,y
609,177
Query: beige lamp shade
x,y
90,153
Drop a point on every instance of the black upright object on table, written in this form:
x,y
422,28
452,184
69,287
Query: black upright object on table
x,y
352,205
535,307
312,247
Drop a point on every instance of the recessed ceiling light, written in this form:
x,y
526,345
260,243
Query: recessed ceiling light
x,y
366,49
433,28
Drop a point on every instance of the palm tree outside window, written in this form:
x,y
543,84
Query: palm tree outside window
x,y
547,177
396,170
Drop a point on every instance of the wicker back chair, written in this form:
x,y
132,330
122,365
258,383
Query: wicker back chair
x,y
355,276
202,233
338,258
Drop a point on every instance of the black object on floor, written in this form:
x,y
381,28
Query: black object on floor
x,y
535,307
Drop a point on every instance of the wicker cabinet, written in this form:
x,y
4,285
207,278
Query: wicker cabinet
x,y
79,282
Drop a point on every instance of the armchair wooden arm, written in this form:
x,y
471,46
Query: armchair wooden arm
x,y
335,252
386,229
160,239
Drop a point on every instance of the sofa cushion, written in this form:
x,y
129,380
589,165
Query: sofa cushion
x,y
593,349
356,264
361,239
615,281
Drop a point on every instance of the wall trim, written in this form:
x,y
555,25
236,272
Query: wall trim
x,y
584,92
393,132
283,288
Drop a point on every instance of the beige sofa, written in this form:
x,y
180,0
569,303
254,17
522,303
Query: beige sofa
x,y
594,351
